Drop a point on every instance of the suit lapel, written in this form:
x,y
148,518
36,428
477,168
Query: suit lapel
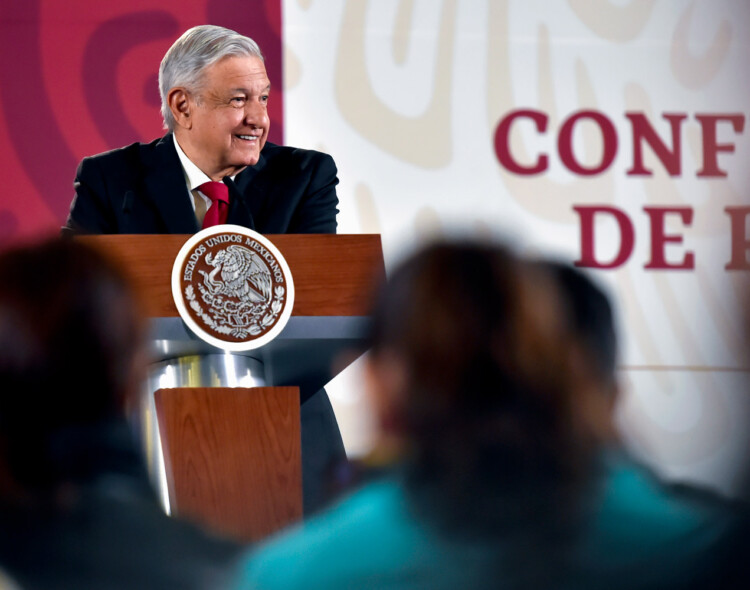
x,y
247,195
165,184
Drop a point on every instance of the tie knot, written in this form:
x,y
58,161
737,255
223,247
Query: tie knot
x,y
216,191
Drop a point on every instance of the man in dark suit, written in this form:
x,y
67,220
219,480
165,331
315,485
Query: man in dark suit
x,y
215,94
215,91
141,189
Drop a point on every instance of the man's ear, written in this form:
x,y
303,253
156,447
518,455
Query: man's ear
x,y
181,105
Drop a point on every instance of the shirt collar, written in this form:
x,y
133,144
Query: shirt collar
x,y
194,176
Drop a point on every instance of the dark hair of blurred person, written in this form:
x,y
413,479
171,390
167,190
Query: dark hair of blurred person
x,y
477,375
590,318
76,506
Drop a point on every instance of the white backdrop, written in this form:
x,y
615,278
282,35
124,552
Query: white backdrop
x,y
407,96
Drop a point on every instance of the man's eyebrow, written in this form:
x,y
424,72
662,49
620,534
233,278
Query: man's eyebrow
x,y
247,91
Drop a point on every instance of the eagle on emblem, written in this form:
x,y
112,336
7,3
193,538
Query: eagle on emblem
x,y
244,275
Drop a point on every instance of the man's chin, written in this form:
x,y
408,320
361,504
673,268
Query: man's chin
x,y
241,164
250,159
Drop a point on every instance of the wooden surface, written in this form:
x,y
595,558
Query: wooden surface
x,y
334,275
232,457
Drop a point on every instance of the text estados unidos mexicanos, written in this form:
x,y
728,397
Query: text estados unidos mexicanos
x,y
192,261
196,255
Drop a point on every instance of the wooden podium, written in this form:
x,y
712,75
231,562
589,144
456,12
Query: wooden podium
x,y
231,454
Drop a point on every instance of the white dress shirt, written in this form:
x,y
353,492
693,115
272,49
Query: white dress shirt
x,y
194,177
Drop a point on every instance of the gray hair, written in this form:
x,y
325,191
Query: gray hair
x,y
192,53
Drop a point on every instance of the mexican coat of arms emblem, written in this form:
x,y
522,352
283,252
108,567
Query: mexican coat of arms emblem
x,y
232,287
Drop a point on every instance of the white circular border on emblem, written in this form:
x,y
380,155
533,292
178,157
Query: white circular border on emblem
x,y
180,300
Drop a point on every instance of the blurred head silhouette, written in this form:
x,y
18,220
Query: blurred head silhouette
x,y
588,313
475,368
70,354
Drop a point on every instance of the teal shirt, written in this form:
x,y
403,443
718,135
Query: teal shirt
x,y
645,534
368,541
639,534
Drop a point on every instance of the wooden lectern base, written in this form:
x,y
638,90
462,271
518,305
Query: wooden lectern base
x,y
232,457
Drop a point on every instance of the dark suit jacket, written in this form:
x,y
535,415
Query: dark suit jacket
x,y
140,189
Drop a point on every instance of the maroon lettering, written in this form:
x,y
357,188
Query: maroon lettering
x,y
627,236
609,141
643,131
502,142
711,147
669,152
740,239
659,238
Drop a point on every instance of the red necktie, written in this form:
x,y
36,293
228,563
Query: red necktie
x,y
219,195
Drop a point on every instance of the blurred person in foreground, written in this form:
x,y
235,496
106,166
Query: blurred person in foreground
x,y
76,506
653,532
479,374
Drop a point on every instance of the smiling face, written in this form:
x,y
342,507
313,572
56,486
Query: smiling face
x,y
224,125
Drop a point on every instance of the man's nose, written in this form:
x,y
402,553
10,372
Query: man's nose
x,y
255,113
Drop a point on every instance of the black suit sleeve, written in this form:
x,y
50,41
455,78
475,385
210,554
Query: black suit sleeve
x,y
316,213
90,212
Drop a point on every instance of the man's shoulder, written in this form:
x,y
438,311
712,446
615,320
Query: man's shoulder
x,y
283,154
134,154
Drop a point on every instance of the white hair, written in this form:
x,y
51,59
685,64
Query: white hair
x,y
192,53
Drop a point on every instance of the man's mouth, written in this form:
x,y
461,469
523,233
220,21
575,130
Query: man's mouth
x,y
248,137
